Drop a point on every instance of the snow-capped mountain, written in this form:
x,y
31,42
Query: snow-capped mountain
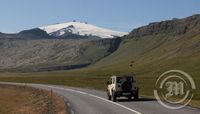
x,y
82,29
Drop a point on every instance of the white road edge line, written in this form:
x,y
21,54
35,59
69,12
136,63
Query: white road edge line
x,y
66,89
76,91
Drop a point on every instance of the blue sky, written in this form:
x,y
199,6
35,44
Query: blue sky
x,y
122,15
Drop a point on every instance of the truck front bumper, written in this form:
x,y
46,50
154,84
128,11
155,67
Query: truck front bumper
x,y
126,93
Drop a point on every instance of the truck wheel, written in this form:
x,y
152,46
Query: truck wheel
x,y
114,97
136,96
109,97
129,98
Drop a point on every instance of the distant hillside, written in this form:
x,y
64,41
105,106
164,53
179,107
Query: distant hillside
x,y
27,34
42,53
150,50
172,27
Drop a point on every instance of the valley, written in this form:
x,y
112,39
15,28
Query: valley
x,y
146,52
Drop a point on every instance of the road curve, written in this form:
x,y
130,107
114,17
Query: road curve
x,y
87,101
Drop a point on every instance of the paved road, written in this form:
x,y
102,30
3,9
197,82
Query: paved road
x,y
86,101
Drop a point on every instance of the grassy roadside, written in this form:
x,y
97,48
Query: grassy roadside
x,y
27,100
146,84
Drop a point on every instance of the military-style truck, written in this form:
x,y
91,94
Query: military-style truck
x,y
122,86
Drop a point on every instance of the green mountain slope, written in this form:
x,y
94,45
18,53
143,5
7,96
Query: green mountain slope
x,y
154,49
148,55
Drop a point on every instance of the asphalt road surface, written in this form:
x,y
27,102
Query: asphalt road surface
x,y
87,101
